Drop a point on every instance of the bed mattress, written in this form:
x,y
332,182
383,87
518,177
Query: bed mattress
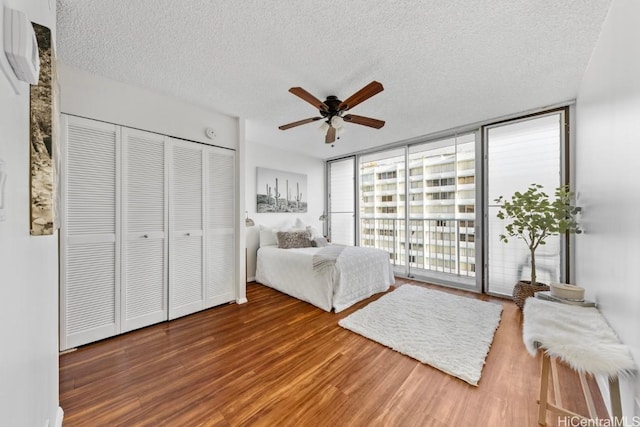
x,y
357,274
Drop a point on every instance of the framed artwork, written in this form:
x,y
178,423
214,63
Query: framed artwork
x,y
280,191
43,140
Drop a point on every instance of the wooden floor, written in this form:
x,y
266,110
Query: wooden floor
x,y
277,361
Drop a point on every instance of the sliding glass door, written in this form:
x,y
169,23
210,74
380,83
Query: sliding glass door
x,y
442,211
431,204
521,153
424,214
382,219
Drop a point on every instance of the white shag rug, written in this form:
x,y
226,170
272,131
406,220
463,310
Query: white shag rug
x,y
449,332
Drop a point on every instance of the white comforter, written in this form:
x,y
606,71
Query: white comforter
x,y
357,274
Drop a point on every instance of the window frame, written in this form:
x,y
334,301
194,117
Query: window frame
x,y
564,151
479,180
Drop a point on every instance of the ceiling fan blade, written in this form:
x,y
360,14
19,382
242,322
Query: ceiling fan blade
x,y
364,121
306,96
362,95
331,135
298,123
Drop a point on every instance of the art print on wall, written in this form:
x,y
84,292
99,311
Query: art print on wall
x,y
43,141
280,191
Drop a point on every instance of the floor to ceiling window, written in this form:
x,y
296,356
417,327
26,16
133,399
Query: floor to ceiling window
x,y
341,201
521,153
423,202
442,210
382,204
423,215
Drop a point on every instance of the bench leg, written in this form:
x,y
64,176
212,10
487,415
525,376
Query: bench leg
x,y
614,395
544,389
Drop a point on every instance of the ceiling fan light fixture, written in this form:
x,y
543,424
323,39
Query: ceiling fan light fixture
x,y
324,127
332,110
337,122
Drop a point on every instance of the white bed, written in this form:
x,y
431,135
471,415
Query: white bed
x,y
356,274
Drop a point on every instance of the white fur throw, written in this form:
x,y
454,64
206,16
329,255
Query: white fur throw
x,y
579,336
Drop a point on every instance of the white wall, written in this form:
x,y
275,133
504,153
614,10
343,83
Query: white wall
x,y
259,155
28,268
95,97
608,177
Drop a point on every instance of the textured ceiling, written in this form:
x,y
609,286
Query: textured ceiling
x,y
443,64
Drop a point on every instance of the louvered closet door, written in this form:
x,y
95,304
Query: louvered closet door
x,y
186,242
144,225
90,228
220,215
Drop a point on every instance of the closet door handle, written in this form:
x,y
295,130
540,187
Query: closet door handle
x,y
187,234
146,236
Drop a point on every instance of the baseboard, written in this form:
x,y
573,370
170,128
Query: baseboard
x,y
59,417
242,301
251,279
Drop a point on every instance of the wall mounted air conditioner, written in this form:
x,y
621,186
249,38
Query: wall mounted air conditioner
x,y
21,46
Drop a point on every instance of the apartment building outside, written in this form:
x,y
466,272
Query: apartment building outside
x,y
421,203
441,189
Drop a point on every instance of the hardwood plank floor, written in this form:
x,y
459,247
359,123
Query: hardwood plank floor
x,y
277,361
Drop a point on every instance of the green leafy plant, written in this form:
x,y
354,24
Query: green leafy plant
x,y
533,217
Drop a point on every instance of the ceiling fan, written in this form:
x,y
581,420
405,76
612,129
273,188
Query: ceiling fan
x,y
332,110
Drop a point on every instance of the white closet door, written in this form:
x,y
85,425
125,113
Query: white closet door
x,y
144,225
220,226
90,286
186,241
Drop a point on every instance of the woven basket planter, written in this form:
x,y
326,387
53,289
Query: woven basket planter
x,y
524,290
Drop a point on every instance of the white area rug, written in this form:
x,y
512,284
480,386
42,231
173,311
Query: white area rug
x,y
449,332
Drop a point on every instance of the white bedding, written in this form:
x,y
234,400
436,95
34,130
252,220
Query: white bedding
x,y
357,274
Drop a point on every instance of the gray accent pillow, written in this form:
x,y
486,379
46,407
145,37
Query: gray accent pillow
x,y
293,239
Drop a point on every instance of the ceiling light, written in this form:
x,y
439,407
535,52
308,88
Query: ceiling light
x,y
324,127
337,122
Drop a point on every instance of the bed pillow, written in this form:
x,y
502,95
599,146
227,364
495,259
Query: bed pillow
x,y
315,233
293,239
299,225
320,242
267,237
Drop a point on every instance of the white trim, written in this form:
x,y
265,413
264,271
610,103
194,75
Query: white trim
x,y
240,228
203,239
59,417
118,251
123,161
62,290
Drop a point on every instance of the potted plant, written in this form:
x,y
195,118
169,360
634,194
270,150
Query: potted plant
x,y
531,216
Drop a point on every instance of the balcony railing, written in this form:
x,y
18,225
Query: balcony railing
x,y
435,244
